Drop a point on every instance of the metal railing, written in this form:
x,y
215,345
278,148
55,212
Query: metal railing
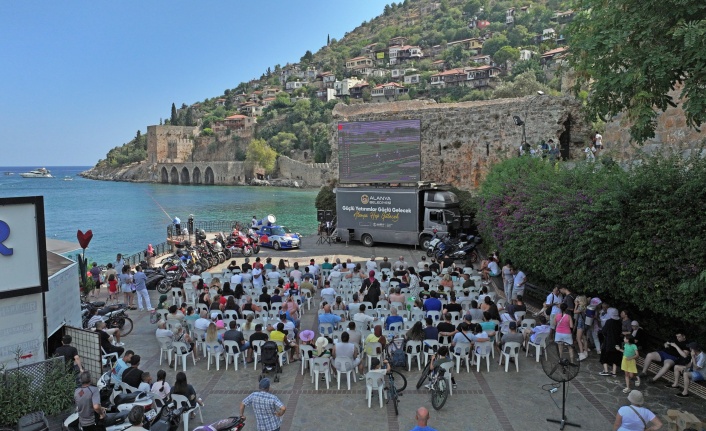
x,y
206,225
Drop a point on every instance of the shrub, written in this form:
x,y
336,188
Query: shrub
x,y
633,236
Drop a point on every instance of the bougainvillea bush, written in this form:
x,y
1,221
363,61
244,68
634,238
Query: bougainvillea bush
x,y
635,236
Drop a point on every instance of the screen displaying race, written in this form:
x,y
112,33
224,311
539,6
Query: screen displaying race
x,y
379,151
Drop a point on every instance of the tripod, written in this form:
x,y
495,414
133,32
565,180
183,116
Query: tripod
x,y
563,422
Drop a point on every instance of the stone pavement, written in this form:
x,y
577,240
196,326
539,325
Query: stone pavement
x,y
485,401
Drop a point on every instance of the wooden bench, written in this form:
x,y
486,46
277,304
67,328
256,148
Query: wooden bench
x,y
696,388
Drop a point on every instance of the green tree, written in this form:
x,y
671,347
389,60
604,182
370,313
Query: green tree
x,y
506,53
189,117
283,142
525,84
523,66
471,7
634,52
174,120
492,45
259,152
326,199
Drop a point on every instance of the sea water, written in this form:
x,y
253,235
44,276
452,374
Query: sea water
x,y
125,217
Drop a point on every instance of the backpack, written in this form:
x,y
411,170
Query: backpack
x,y
397,357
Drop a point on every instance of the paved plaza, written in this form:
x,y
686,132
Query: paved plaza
x,y
484,401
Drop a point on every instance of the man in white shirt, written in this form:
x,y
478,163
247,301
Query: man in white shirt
x,y
236,279
314,268
361,318
203,321
296,273
371,265
349,265
399,265
328,293
421,263
273,275
257,277
335,273
599,141
554,299
519,283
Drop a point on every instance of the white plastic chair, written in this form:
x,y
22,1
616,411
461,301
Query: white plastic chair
x,y
307,353
344,366
232,350
373,350
413,349
165,346
448,367
519,315
462,352
177,296
326,328
429,349
482,350
527,324
510,350
182,401
539,343
435,315
198,336
214,350
181,351
110,358
320,366
281,356
374,381
256,345
396,327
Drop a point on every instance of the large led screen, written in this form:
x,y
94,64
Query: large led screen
x,y
379,152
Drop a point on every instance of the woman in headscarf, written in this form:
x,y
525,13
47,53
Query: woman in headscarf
x,y
371,289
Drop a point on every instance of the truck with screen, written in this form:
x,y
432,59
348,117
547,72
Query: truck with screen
x,y
399,215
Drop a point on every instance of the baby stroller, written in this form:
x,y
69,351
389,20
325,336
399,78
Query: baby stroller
x,y
270,360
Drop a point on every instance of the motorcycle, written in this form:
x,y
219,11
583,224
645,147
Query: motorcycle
x,y
114,315
239,244
171,275
233,423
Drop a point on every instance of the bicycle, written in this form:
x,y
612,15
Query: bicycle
x,y
394,388
438,383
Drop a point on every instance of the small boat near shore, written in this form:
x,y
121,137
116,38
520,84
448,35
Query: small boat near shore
x,y
37,173
9,173
68,178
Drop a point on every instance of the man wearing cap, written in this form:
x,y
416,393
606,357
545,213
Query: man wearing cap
x,y
693,371
267,407
673,353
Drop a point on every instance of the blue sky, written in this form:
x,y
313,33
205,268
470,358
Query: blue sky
x,y
81,77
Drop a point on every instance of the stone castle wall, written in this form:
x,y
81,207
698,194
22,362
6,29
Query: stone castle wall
x,y
461,141
310,174
671,134
173,144
203,173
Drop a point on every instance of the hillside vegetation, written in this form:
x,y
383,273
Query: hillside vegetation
x,y
481,42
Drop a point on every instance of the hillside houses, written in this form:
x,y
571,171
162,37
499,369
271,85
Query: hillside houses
x,y
481,77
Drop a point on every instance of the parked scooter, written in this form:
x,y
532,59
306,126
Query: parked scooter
x,y
233,423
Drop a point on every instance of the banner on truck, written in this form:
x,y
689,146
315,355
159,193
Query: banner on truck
x,y
393,210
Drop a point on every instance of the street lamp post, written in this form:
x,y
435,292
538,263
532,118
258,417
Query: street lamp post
x,y
521,122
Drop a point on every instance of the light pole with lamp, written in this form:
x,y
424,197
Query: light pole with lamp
x,y
520,122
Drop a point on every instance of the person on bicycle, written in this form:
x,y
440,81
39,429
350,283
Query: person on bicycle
x,y
442,356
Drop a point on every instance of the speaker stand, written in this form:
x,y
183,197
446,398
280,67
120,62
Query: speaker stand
x,y
563,422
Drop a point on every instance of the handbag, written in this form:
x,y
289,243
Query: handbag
x,y
639,416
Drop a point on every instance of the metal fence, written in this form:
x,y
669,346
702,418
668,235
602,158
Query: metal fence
x,y
35,374
88,345
206,225
159,249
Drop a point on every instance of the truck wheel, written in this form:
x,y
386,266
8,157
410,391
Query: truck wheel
x,y
367,240
424,241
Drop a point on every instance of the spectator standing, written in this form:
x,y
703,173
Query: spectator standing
x,y
634,416
143,295
520,279
70,353
88,404
267,407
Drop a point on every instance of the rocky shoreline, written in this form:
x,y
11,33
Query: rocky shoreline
x,y
142,172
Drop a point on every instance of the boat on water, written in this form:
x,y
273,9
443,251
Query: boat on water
x,y
37,173
9,173
68,178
